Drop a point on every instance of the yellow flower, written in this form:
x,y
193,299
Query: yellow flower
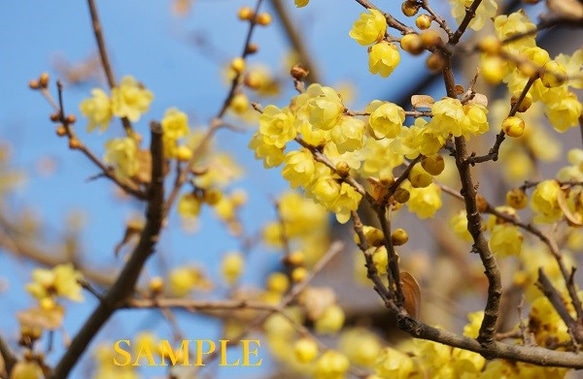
x,y
97,109
348,135
379,158
473,328
301,3
448,117
425,201
361,346
391,363
383,58
175,124
386,119
272,156
515,23
506,240
232,266
564,112
330,321
62,281
326,191
189,205
331,365
574,66
324,106
348,201
369,28
306,350
299,168
130,99
544,201
122,154
277,126
183,279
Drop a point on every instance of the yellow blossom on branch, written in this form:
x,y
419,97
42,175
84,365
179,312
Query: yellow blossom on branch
x,y
130,99
122,154
97,109
62,280
369,28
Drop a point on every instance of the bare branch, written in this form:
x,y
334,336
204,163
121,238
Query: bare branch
x,y
126,281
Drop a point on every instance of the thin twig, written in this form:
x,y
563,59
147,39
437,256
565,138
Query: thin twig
x,y
556,300
105,62
296,41
216,123
470,14
491,312
440,20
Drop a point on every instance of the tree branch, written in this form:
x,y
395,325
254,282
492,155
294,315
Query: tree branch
x,y
487,332
296,41
127,279
105,63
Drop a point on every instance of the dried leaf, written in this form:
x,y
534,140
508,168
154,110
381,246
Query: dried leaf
x,y
479,99
412,293
422,101
573,219
48,319
378,190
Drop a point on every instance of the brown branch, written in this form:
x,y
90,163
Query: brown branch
x,y
296,41
126,281
440,20
105,63
470,14
548,241
7,355
494,151
491,312
129,187
530,354
556,300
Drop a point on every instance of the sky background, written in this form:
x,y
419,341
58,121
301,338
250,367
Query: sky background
x,y
147,41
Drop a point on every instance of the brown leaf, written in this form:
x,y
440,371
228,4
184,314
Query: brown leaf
x,y
479,99
422,101
574,219
412,294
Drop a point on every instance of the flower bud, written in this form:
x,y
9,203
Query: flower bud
x,y
409,9
423,21
263,19
399,237
245,13
412,44
513,126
